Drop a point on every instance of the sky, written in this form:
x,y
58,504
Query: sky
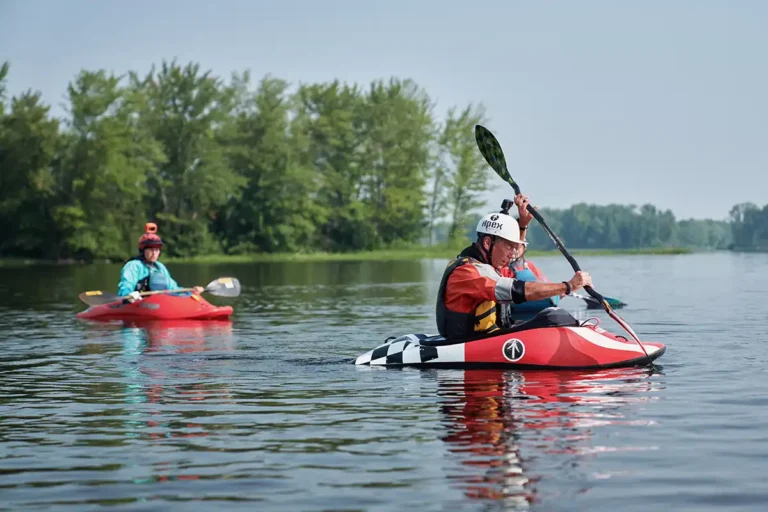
x,y
661,102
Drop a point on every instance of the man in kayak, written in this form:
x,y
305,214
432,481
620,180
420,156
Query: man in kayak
x,y
143,272
479,283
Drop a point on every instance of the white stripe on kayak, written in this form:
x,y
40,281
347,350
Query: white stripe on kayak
x,y
450,354
365,358
606,342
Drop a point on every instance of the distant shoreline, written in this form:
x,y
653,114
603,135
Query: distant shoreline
x,y
417,253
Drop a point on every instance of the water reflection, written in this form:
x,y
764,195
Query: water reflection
x,y
502,426
178,336
147,374
141,340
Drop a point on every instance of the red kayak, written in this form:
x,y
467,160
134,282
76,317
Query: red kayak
x,y
159,307
531,345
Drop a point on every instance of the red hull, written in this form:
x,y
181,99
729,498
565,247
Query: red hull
x,y
159,307
584,347
561,347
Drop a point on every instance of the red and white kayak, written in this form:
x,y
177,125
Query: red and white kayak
x,y
159,307
528,346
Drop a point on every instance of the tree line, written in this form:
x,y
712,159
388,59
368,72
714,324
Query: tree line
x,y
615,226
231,166
749,224
234,167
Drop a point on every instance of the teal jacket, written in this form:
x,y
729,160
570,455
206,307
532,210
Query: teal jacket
x,y
136,270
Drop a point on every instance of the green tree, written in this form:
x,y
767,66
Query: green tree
x,y
746,222
397,131
4,69
705,234
330,117
463,169
29,140
278,210
103,174
188,111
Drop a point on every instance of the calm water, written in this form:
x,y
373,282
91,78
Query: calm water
x,y
269,412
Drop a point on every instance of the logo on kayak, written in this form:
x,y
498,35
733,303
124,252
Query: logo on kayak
x,y
513,350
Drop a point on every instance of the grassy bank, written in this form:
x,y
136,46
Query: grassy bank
x,y
415,253
619,252
23,262
404,254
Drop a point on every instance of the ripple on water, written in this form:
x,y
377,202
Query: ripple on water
x,y
268,411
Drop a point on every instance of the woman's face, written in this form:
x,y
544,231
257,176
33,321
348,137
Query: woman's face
x,y
151,254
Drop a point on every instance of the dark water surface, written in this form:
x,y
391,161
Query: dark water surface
x,y
268,411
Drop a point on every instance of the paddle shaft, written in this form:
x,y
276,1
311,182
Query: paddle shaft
x,y
574,264
156,292
222,287
561,247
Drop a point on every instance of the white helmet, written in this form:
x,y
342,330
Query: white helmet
x,y
501,225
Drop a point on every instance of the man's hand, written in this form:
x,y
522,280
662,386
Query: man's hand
x,y
133,296
522,210
580,280
198,290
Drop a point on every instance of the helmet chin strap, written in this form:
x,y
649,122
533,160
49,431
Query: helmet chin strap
x,y
505,206
490,249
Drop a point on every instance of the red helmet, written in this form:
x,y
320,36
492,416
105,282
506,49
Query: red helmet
x,y
150,238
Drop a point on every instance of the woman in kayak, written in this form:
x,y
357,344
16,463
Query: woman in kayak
x,y
479,281
143,272
525,270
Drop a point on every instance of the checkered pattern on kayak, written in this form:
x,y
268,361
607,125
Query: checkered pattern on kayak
x,y
407,350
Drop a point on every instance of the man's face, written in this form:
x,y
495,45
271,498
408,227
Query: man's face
x,y
505,251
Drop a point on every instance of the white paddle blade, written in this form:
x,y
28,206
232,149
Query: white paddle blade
x,y
224,287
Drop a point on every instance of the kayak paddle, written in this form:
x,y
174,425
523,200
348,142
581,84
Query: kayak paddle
x,y
491,151
595,304
222,287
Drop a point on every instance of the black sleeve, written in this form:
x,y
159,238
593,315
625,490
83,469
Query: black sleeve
x,y
518,291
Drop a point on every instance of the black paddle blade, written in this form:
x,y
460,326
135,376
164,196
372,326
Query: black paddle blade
x,y
596,304
491,150
224,287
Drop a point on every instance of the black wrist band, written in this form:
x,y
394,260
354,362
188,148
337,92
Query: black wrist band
x,y
523,228
567,287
